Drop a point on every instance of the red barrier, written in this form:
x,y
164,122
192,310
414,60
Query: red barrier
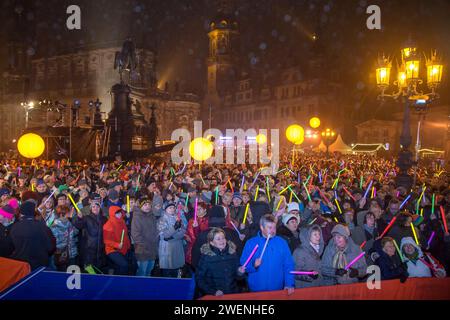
x,y
12,271
412,289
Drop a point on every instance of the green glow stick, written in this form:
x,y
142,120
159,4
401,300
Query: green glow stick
x,y
398,250
432,205
294,194
307,191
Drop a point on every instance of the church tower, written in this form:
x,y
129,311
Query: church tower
x,y
223,51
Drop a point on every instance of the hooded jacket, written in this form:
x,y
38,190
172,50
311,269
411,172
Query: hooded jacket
x,y
171,249
112,233
306,258
277,263
192,234
416,268
351,251
144,232
217,270
391,267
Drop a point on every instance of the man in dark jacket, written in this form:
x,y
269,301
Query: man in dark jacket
x,y
92,249
33,241
144,232
258,208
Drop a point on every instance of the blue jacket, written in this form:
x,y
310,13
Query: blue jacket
x,y
277,263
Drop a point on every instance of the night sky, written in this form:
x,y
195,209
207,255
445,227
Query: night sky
x,y
274,34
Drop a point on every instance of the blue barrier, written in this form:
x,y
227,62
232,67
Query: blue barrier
x,y
50,285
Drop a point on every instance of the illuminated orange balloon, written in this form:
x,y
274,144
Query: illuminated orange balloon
x,y
295,133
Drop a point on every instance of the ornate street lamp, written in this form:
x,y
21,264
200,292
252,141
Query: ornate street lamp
x,y
28,106
328,137
407,92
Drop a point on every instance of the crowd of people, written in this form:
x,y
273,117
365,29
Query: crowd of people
x,y
318,221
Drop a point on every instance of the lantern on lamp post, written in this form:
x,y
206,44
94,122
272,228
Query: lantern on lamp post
x,y
328,137
407,91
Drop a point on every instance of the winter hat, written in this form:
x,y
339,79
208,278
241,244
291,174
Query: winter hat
x,y
206,196
39,182
113,195
287,217
292,206
4,191
236,195
341,230
28,208
13,203
168,204
7,212
143,201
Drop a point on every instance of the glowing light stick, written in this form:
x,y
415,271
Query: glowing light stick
x,y
355,260
398,251
251,256
307,192
432,205
278,205
235,228
195,209
404,202
128,203
49,196
256,193
387,227
245,213
444,219
337,203
306,273
363,244
414,233
350,195
284,189
368,188
361,182
313,220
292,192
73,202
217,195
121,238
431,239
265,246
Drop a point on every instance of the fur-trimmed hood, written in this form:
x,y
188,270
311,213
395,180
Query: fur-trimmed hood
x,y
206,249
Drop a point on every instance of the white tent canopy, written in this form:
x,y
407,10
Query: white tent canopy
x,y
340,146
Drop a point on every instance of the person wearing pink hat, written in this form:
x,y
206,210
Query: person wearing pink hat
x,y
6,221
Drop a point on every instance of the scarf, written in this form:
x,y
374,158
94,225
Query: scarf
x,y
412,257
339,259
369,229
316,247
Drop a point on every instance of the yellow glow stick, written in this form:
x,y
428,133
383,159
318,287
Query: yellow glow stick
x,y
290,197
73,202
284,189
128,203
414,232
256,194
32,187
278,205
335,219
337,203
245,214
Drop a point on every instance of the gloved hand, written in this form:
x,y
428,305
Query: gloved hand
x,y
403,277
314,276
353,273
340,272
177,225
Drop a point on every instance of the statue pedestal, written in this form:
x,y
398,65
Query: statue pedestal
x,y
121,123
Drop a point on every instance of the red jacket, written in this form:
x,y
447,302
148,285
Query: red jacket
x,y
192,233
112,233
